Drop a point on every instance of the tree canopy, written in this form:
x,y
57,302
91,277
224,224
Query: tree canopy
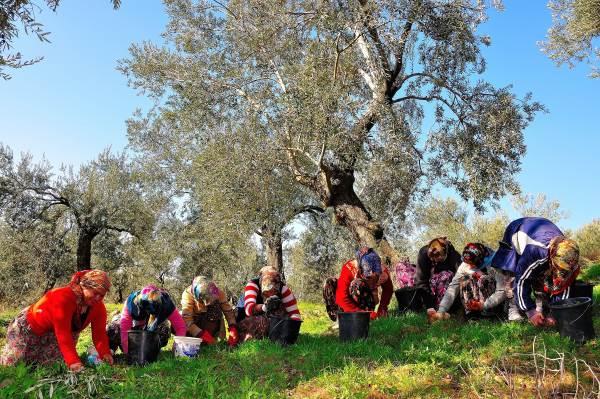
x,y
382,88
576,25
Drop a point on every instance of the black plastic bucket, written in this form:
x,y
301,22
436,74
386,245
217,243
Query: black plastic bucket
x,y
574,318
581,289
284,331
409,299
144,347
353,325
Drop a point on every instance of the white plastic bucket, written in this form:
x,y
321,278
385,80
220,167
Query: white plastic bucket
x,y
186,346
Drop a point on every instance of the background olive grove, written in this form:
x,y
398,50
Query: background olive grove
x,y
286,133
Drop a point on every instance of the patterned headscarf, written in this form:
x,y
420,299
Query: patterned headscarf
x,y
438,246
204,289
149,298
564,264
474,254
93,279
150,301
368,261
270,279
361,294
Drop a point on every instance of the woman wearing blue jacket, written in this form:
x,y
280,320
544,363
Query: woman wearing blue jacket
x,y
538,254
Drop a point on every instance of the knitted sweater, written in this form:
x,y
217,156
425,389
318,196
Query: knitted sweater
x,y
253,296
55,312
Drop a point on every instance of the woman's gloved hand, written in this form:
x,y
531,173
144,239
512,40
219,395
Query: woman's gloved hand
x,y
474,305
234,337
207,337
537,319
549,321
433,315
477,274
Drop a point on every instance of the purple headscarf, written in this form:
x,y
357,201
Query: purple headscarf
x,y
368,261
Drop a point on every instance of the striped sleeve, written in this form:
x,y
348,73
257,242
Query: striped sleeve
x,y
250,294
290,303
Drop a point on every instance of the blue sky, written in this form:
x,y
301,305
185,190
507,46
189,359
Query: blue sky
x,y
74,103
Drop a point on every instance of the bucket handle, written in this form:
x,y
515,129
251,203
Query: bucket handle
x,y
278,323
582,313
411,300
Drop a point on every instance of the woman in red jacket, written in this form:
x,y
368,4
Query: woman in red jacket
x,y
49,329
356,289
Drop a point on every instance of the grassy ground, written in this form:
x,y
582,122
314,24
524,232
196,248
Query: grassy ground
x,y
403,357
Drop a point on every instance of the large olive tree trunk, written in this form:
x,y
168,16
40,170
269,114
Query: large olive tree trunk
x,y
274,249
84,248
336,189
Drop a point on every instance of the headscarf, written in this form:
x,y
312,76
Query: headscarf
x,y
361,294
204,289
474,254
564,264
438,245
92,279
368,261
150,301
269,279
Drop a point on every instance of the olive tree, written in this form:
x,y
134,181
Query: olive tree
x,y
576,26
340,88
103,195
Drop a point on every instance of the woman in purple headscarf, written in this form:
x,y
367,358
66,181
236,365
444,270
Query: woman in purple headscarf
x,y
356,288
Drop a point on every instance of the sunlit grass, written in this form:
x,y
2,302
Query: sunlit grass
x,y
403,357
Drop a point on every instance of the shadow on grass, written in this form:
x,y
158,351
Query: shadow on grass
x,y
403,356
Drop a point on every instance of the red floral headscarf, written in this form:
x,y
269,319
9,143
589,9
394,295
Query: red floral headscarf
x,y
93,279
564,265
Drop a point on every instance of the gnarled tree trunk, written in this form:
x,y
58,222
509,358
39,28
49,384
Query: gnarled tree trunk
x,y
84,248
274,250
338,192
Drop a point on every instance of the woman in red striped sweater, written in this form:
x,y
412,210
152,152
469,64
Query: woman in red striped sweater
x,y
49,329
264,296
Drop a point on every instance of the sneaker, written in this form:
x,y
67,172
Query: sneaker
x,y
335,326
514,314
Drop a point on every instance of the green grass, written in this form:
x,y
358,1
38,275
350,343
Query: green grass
x,y
403,357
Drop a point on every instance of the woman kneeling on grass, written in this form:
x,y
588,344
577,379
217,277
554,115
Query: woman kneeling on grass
x,y
265,296
203,306
357,288
541,259
150,309
481,288
44,331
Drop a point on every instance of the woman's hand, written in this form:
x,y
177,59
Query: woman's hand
x,y
549,321
207,337
537,319
433,315
108,359
473,305
76,367
477,274
234,337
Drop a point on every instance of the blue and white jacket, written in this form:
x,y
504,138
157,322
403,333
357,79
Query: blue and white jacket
x,y
524,252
